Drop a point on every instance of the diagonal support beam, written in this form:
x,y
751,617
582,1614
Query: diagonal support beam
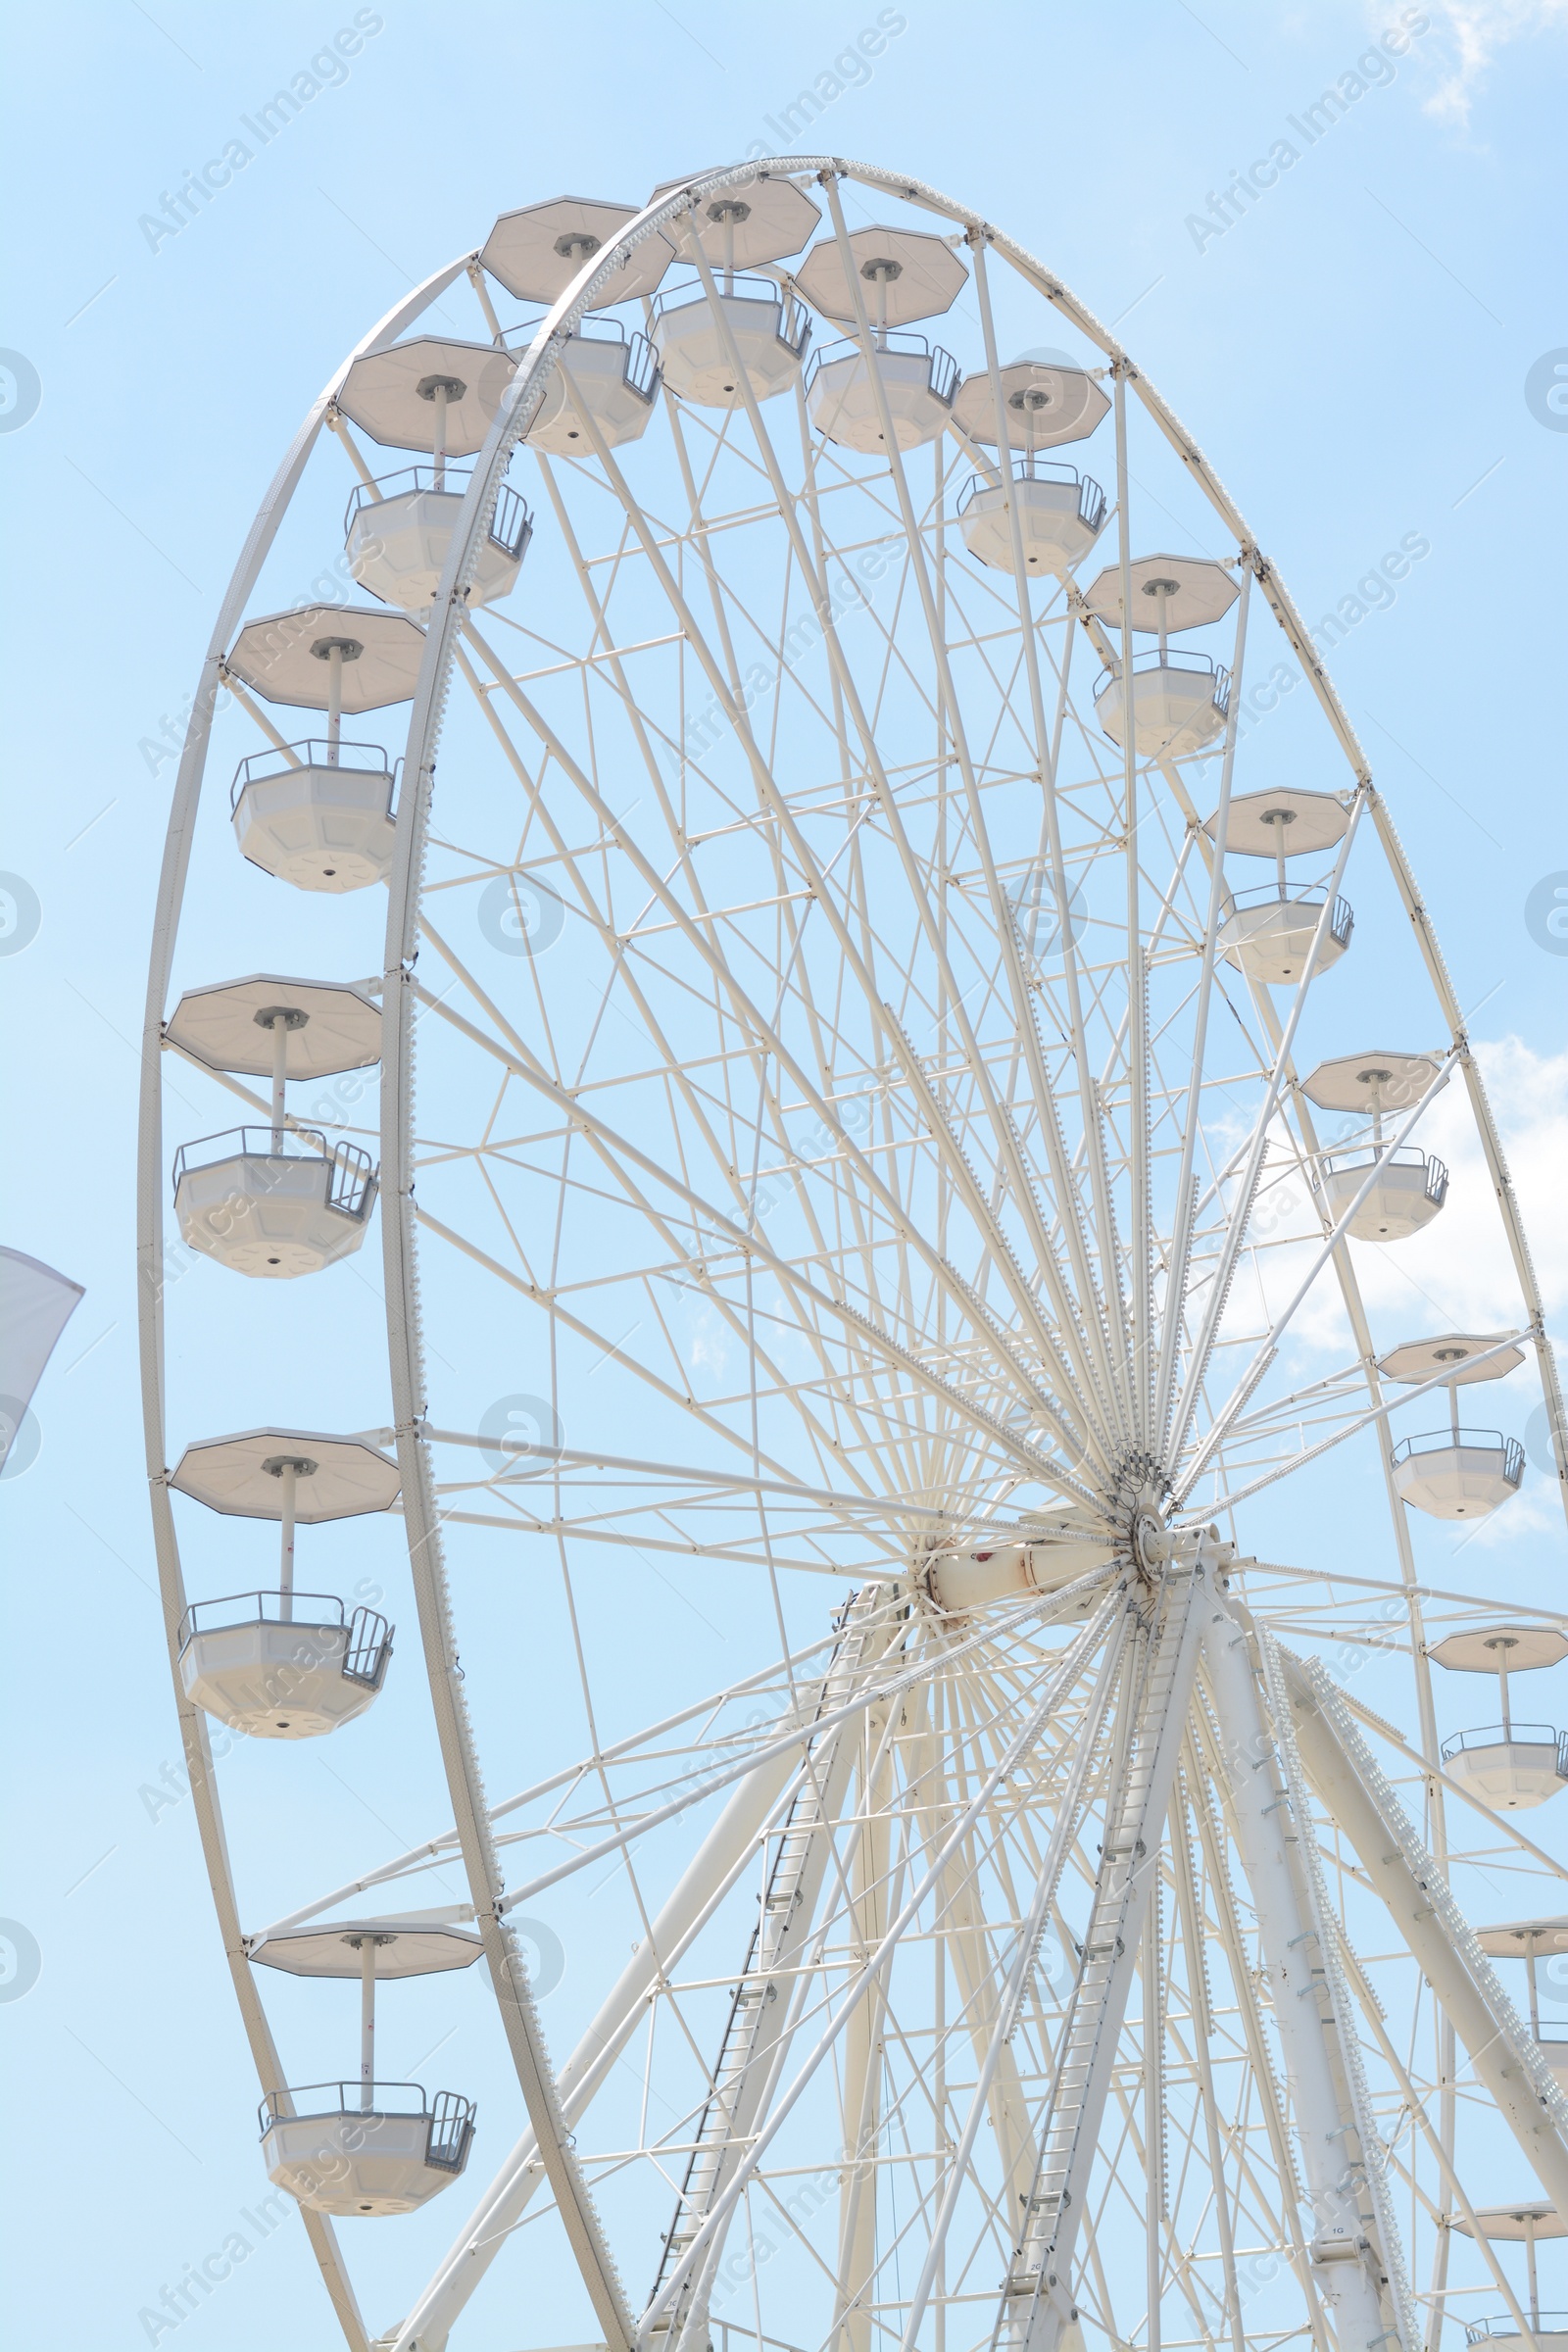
x,y
1348,1781
763,2014
724,1854
1074,1663
1069,1816
1347,2248
1037,2304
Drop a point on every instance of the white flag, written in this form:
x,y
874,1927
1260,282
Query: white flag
x,y
35,1305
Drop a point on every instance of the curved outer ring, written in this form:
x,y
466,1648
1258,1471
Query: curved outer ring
x,y
150,1243
519,405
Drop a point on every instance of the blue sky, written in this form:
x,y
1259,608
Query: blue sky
x,y
1365,347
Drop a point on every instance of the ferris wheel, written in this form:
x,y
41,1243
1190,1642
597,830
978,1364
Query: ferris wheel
x,y
880,1141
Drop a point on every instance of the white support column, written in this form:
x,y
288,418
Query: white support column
x,y
862,2048
1263,1825
1208,1779
1072,1665
998,2092
774,1984
1191,1925
1037,2296
1334,1953
1153,2119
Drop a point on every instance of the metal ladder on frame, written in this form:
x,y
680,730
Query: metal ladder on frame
x,y
1109,1946
804,1823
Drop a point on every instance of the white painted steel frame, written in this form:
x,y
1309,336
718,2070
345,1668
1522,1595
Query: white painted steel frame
x,y
1093,1375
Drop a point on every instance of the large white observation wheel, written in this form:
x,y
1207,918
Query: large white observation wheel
x,y
879,1140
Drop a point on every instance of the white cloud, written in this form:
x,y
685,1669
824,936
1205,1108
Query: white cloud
x,y
1459,1272
1534,1512
1476,30
1457,1275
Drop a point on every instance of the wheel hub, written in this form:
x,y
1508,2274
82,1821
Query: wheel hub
x,y
1151,1539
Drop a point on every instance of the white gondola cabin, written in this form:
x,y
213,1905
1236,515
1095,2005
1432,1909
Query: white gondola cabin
x,y
602,368
750,331
399,533
847,391
1385,1191
1508,1765
1060,517
276,1201
1527,2225
285,1664
318,813
365,2148
1269,933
